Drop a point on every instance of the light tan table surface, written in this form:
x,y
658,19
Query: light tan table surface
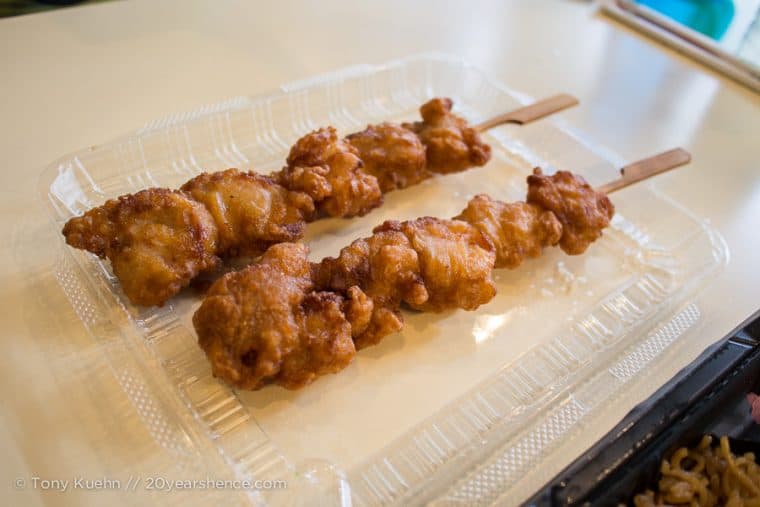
x,y
81,76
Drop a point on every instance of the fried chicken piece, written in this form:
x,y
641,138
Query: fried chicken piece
x,y
451,146
251,211
325,341
358,308
517,230
392,154
582,211
455,259
312,181
267,324
387,269
330,171
430,264
157,241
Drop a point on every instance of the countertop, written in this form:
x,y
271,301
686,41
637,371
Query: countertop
x,y
81,76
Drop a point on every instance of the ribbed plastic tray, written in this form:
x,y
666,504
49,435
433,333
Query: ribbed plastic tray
x,y
457,407
706,397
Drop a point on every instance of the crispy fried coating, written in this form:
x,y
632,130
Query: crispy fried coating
x,y
387,269
451,146
517,230
251,211
392,154
429,264
330,171
359,309
157,240
582,211
456,262
286,321
325,341
267,324
311,180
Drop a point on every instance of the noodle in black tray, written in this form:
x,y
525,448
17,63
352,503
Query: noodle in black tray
x,y
705,476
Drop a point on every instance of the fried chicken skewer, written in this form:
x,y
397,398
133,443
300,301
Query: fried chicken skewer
x,y
286,321
158,240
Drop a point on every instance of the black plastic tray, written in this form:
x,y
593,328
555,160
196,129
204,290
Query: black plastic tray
x,y
708,396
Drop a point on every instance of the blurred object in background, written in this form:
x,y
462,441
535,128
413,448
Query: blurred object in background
x,y
710,18
18,7
724,34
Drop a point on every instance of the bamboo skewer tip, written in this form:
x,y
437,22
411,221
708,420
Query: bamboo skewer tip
x,y
646,168
531,112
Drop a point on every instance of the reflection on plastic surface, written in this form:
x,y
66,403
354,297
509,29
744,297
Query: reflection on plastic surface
x,y
487,325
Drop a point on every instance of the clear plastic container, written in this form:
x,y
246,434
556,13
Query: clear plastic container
x,y
459,406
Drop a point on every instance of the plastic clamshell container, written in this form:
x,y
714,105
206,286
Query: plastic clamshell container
x,y
457,407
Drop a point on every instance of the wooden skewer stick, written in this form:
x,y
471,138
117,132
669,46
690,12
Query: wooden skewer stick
x,y
531,112
643,169
630,174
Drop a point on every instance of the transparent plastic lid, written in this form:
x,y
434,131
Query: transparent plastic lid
x,y
457,407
